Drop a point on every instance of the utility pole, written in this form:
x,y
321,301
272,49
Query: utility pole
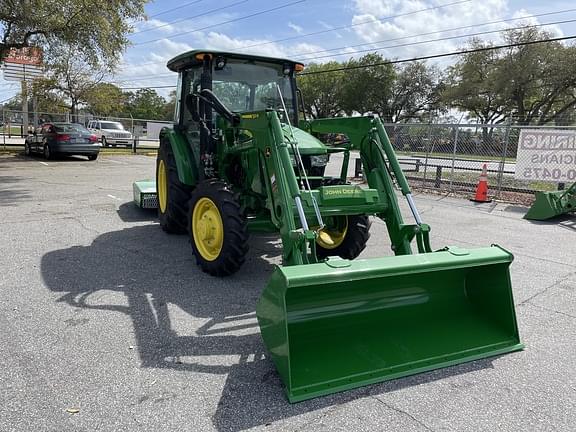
x,y
24,107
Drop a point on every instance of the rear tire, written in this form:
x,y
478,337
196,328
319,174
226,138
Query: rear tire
x,y
356,236
174,196
217,227
92,157
103,139
27,151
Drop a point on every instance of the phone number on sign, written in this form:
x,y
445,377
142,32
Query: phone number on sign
x,y
549,174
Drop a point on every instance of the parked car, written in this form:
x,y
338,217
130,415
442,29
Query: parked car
x,y
111,133
52,139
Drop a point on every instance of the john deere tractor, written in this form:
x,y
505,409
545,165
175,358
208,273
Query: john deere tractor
x,y
240,159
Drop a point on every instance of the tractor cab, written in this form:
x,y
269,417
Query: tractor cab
x,y
244,84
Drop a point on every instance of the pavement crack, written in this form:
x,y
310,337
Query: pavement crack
x,y
555,284
405,413
551,310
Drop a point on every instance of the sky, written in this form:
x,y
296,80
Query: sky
x,y
319,30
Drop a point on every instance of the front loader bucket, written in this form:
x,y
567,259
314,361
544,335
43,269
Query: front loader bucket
x,y
343,324
548,205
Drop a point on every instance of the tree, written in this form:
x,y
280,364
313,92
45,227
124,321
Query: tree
x,y
415,92
322,92
474,85
540,78
534,83
96,28
367,88
70,79
105,99
146,104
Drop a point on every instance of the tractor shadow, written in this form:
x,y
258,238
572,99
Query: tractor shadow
x,y
156,274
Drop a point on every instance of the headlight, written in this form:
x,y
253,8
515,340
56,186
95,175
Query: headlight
x,y
319,160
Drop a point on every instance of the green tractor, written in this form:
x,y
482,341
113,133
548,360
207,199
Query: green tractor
x,y
240,160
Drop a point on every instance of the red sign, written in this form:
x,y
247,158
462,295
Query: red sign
x,y
25,56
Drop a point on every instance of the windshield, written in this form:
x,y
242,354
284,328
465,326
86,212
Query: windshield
x,y
110,125
253,86
73,127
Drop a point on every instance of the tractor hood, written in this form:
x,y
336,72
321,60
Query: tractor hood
x,y
307,144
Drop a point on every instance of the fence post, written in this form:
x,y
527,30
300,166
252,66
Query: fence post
x,y
438,180
428,143
457,130
503,160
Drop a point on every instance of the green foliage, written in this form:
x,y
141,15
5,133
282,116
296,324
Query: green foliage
x,y
532,83
322,92
146,104
97,29
105,99
367,89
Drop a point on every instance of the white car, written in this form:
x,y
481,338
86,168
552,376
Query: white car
x,y
110,133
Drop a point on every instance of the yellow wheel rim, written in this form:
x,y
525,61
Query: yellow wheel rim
x,y
207,229
332,236
162,186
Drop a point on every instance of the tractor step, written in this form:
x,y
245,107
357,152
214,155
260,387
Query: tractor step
x,y
145,195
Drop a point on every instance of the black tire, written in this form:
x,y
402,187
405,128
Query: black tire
x,y
174,218
47,152
27,150
93,157
234,248
103,139
356,237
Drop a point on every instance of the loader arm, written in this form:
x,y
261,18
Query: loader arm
x,y
368,136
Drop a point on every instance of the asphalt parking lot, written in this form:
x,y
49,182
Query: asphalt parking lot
x,y
107,324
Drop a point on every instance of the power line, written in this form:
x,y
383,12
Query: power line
x,y
428,57
439,39
439,31
226,22
468,51
190,17
399,38
358,24
147,87
175,8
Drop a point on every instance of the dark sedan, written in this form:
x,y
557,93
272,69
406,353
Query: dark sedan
x,y
52,139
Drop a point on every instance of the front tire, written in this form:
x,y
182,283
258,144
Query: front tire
x,y
173,196
348,236
27,151
92,157
47,152
104,144
218,231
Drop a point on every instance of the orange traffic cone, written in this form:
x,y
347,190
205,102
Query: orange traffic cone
x,y
482,188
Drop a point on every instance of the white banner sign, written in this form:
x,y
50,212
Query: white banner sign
x,y
546,155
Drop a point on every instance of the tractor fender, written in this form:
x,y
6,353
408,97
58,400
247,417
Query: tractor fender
x,y
185,159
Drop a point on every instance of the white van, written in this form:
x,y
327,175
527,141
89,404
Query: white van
x,y
110,133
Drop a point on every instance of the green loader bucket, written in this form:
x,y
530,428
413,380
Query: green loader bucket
x,y
343,324
551,204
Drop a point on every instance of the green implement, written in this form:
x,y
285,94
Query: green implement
x,y
240,160
551,204
343,324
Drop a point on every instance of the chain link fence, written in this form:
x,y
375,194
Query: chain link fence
x,y
440,157
451,157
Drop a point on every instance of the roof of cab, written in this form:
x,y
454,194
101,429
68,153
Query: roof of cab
x,y
188,59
